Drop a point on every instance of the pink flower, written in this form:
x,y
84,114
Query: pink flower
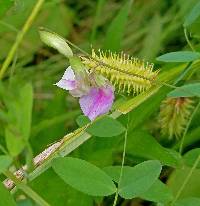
x,y
97,102
96,98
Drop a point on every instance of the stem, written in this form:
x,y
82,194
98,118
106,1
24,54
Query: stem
x,y
11,27
13,67
187,127
20,36
188,41
26,189
186,180
122,165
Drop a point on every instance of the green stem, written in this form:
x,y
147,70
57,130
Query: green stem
x,y
122,165
20,36
26,189
186,180
187,127
188,41
11,27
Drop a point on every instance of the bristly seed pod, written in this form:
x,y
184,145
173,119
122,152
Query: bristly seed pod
x,y
132,76
174,115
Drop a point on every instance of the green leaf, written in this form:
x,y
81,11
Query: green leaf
x,y
158,192
106,127
55,41
116,29
142,144
193,15
82,120
26,104
139,179
191,156
179,56
175,181
58,193
4,6
191,201
14,141
6,198
84,176
154,31
5,161
188,90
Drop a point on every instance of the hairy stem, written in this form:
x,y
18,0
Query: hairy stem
x,y
20,36
26,189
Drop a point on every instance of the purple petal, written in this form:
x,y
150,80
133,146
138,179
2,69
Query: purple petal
x,y
69,74
68,81
66,84
99,101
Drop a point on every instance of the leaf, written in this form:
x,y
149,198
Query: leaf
x,y
193,15
19,108
154,32
175,181
82,120
191,156
142,144
188,90
5,161
192,201
6,198
147,108
106,127
158,192
4,6
179,56
116,29
14,141
137,180
58,193
26,104
84,176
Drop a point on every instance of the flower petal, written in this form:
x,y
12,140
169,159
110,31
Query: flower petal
x,y
66,84
99,101
68,81
69,74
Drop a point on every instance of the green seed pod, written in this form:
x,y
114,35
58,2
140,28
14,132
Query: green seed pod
x,y
55,41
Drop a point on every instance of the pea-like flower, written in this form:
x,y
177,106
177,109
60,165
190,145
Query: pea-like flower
x,y
95,93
